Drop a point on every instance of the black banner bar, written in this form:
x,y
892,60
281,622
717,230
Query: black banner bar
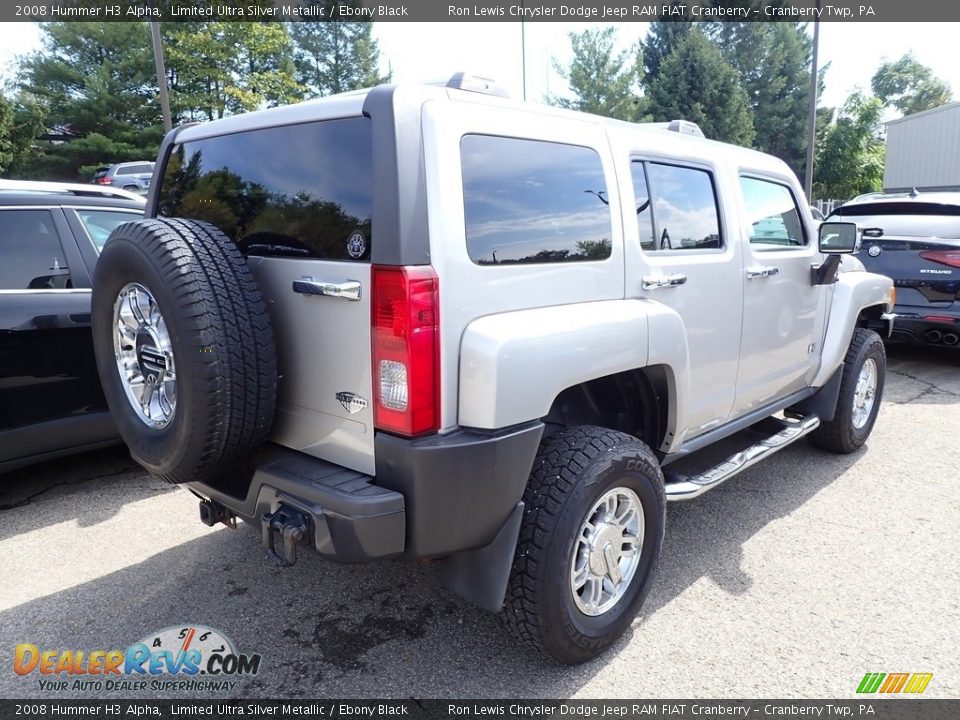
x,y
490,11
869,707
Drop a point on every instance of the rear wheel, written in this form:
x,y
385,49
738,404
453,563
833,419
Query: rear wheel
x,y
184,348
861,390
589,544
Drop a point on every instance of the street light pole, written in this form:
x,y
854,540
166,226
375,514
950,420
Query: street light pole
x,y
812,121
161,76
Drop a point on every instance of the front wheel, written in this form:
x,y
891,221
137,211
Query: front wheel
x,y
861,390
589,544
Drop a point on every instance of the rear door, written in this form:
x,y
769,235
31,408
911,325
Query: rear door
x,y
47,369
680,252
297,201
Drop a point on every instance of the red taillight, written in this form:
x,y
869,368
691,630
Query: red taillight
x,y
102,181
406,349
944,257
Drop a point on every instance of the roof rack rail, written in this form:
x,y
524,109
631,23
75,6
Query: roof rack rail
x,y
477,84
684,127
79,189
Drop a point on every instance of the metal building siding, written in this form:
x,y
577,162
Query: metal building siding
x,y
923,151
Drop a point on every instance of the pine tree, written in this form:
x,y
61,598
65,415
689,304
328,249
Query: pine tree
x,y
696,83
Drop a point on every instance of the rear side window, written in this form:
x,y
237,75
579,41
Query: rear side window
x,y
134,169
772,213
100,223
298,190
31,257
528,201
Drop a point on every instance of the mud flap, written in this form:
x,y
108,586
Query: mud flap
x,y
481,575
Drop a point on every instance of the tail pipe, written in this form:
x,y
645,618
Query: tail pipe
x,y
934,336
950,339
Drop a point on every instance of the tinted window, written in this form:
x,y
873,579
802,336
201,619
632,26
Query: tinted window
x,y
527,201
642,202
772,213
30,254
100,223
684,208
298,190
134,169
909,219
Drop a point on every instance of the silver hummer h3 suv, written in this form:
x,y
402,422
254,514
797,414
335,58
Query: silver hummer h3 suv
x,y
432,322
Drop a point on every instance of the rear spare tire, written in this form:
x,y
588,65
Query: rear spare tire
x,y
184,348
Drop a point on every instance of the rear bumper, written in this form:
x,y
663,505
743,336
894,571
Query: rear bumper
x,y
928,326
431,497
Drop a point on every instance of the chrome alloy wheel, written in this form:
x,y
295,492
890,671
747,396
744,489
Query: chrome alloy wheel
x,y
144,356
607,551
865,393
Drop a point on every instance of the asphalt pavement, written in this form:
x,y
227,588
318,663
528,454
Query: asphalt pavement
x,y
792,580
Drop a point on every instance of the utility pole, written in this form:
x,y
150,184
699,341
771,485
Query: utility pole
x,y
812,121
523,52
161,76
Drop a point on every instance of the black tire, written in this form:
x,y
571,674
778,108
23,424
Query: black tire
x,y
222,346
840,435
573,469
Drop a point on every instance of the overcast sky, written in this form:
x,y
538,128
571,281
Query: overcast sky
x,y
432,51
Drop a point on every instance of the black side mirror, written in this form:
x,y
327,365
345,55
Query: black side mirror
x,y
839,237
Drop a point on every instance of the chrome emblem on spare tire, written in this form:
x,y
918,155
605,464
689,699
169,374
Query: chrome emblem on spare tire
x,y
351,403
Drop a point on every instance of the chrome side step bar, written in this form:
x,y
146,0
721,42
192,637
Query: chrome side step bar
x,y
685,487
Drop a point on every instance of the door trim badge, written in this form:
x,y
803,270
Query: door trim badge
x,y
351,403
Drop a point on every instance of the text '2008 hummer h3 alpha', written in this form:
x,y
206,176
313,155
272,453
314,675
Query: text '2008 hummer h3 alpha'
x,y
432,322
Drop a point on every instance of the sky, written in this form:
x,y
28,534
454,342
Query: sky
x,y
424,52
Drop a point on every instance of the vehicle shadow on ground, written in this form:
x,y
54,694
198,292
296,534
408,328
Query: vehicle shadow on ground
x,y
385,630
88,488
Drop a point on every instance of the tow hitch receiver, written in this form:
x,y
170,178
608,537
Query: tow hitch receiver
x,y
289,527
212,513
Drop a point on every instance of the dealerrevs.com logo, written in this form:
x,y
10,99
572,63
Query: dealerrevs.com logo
x,y
187,658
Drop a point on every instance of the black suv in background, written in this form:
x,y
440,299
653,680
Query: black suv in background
x,y
914,239
50,237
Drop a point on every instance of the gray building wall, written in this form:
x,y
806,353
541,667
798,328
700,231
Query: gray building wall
x,y
923,151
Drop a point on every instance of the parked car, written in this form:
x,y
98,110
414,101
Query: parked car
x,y
51,403
131,176
915,240
432,322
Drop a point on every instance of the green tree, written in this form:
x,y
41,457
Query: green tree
x,y
850,155
94,77
773,60
336,56
220,68
6,134
696,83
602,80
662,37
909,86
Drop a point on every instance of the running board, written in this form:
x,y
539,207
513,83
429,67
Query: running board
x,y
685,487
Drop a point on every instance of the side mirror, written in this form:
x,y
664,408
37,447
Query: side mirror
x,y
839,237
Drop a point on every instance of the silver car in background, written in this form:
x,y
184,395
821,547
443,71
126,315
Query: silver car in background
x,y
132,176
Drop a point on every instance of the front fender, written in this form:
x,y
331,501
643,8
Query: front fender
x,y
513,365
852,293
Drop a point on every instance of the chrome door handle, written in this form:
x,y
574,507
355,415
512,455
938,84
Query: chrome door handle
x,y
655,282
349,290
761,272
